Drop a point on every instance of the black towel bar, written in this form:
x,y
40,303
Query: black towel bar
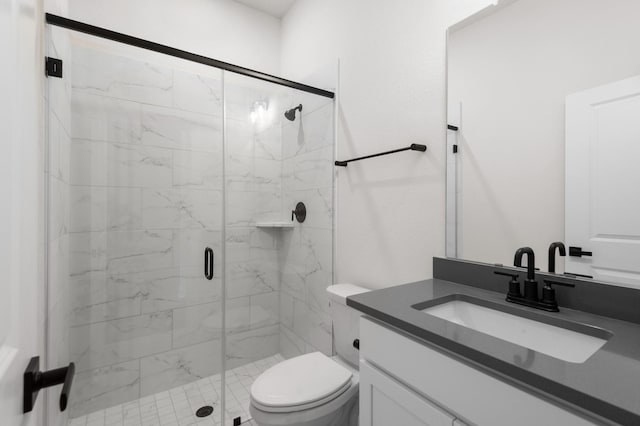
x,y
412,147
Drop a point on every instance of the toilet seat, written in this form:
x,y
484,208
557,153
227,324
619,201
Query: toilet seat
x,y
300,383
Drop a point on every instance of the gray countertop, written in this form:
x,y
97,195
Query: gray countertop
x,y
607,384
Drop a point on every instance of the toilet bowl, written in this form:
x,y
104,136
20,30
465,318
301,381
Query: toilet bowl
x,y
314,389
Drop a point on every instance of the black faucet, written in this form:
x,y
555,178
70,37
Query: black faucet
x,y
530,298
530,284
552,255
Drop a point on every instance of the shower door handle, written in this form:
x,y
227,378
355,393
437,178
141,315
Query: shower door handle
x,y
208,263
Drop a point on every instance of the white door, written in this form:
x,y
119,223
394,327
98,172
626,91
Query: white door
x,y
21,181
384,401
602,199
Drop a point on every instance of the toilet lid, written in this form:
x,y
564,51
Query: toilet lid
x,y
300,383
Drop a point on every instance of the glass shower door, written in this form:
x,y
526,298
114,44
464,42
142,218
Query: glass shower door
x,y
135,196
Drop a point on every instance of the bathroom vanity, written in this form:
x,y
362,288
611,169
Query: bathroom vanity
x,y
439,352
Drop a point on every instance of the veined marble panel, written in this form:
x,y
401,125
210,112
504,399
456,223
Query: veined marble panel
x,y
182,208
95,208
137,251
104,387
246,142
313,326
198,93
108,164
313,169
293,266
100,73
180,366
238,314
252,345
172,128
316,246
98,297
240,139
267,175
174,288
196,324
101,118
249,244
245,208
265,309
268,143
249,278
291,344
239,173
87,253
88,163
112,342
286,309
195,169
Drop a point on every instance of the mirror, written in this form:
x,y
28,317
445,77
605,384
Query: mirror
x,y
544,113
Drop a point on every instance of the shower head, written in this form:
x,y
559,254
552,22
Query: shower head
x,y
291,114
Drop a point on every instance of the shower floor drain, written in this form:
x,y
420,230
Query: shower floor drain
x,y
204,411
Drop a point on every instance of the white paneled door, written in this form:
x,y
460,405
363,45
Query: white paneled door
x,y
602,214
21,289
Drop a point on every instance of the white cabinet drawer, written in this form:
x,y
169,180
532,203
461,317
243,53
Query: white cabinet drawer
x,y
465,391
384,401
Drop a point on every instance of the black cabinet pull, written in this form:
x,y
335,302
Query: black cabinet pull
x,y
578,252
34,380
208,263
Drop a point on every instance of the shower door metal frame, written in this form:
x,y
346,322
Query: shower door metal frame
x,y
85,28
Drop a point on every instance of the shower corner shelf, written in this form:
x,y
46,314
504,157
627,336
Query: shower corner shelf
x,y
275,225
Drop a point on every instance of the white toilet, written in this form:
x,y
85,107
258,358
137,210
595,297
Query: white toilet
x,y
314,389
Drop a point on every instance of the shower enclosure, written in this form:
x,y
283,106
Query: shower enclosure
x,y
175,273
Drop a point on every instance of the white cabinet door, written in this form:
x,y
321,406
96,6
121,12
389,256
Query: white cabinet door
x,y
384,402
602,212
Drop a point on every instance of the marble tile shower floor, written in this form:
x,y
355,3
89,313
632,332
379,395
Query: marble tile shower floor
x,y
177,406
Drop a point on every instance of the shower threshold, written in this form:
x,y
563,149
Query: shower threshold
x,y
177,406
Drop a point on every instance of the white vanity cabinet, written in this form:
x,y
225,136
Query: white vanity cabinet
x,y
406,382
389,402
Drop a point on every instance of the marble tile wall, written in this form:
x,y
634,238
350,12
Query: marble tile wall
x,y
144,200
306,253
254,194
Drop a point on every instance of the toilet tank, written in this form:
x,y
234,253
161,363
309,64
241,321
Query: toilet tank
x,y
345,321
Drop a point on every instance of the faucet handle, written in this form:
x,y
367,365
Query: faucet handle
x,y
549,294
514,284
554,282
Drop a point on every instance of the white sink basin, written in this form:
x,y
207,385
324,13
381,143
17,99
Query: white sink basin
x,y
558,342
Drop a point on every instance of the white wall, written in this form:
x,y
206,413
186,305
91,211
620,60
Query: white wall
x,y
221,29
512,79
390,211
21,220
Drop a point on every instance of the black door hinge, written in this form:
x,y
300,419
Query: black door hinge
x,y
53,67
237,421
455,148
